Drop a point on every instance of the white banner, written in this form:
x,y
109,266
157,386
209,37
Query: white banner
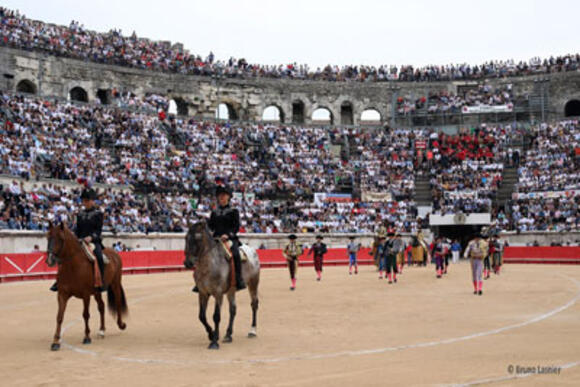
x,y
368,196
546,195
467,194
488,109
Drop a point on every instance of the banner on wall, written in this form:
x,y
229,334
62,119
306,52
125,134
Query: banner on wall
x,y
546,194
368,196
466,194
488,109
323,197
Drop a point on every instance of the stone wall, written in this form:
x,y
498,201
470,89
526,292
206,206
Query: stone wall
x,y
247,99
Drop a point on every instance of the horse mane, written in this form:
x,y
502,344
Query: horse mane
x,y
70,235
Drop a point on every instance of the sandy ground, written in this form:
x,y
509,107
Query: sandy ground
x,y
344,330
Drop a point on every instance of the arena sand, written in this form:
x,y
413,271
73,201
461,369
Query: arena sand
x,y
344,330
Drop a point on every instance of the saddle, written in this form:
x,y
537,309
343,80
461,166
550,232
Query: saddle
x,y
227,247
89,249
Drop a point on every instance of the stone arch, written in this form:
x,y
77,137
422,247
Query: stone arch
x,y
26,86
226,111
572,108
322,115
371,115
78,94
273,112
346,113
298,109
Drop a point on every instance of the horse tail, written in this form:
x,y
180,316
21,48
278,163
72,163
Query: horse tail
x,y
112,302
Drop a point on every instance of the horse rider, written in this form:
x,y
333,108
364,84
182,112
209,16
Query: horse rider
x,y
291,252
89,227
224,222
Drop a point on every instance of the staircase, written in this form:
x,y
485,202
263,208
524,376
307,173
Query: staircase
x,y
423,190
510,178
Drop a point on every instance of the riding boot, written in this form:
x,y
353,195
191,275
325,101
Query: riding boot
x,y
101,264
238,266
195,289
54,287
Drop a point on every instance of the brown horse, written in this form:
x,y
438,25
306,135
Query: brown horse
x,y
75,278
213,278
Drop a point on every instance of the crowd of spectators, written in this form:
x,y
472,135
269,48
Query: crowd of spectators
x,y
60,140
547,194
75,41
484,95
275,169
552,162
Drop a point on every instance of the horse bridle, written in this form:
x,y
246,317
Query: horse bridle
x,y
51,254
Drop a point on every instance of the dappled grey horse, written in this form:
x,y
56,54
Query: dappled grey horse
x,y
213,278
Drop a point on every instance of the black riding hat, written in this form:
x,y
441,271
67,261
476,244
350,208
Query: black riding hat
x,y
222,189
292,236
319,237
88,194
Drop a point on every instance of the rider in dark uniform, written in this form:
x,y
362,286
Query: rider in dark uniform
x,y
224,222
89,227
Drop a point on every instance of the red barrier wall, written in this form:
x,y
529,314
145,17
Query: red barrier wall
x,y
18,267
542,254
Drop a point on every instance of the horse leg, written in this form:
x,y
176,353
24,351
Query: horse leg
x,y
254,296
203,300
230,330
62,300
216,320
101,306
86,316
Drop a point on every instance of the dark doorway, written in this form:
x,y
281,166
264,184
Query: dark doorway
x,y
79,94
572,108
462,233
104,95
182,109
346,116
26,86
297,112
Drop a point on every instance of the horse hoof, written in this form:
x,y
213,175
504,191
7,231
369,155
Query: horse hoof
x,y
122,326
101,334
227,339
55,347
214,345
87,340
252,333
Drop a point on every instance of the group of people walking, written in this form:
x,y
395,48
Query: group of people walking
x,y
485,254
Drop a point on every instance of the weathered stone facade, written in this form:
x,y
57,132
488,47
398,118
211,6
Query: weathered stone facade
x,y
247,98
